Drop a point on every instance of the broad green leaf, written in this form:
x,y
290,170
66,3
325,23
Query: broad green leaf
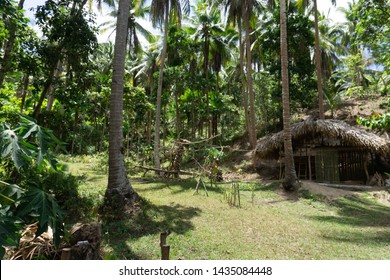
x,y
10,148
9,232
37,202
9,193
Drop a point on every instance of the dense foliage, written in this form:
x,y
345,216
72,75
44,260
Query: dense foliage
x,y
56,79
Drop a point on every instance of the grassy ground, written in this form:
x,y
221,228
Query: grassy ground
x,y
268,225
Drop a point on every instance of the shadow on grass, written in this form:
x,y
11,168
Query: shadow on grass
x,y
359,213
382,238
269,187
149,220
176,186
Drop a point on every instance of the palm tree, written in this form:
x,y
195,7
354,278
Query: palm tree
x,y
161,11
119,195
145,68
234,16
248,7
206,24
331,45
290,177
135,27
305,3
241,10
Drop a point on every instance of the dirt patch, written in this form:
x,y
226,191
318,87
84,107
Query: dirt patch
x,y
382,197
328,192
365,106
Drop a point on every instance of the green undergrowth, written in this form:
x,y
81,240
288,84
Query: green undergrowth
x,y
268,224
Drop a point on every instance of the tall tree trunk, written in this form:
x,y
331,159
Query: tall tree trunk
x,y
214,122
290,182
9,45
177,115
242,76
45,90
252,117
50,99
157,162
193,122
149,112
120,196
206,51
318,64
26,80
148,127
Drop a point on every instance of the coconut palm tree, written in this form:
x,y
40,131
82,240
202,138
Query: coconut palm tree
x,y
135,28
207,25
247,10
332,46
162,11
144,69
290,177
119,196
305,3
241,11
233,9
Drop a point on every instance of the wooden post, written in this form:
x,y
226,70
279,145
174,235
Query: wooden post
x,y
238,193
165,252
65,254
164,247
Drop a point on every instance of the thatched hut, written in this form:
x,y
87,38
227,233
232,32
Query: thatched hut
x,y
326,150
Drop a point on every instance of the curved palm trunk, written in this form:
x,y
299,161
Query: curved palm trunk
x,y
318,63
157,162
252,118
290,177
119,196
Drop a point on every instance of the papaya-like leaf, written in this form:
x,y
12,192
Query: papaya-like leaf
x,y
36,202
43,138
9,193
10,148
9,232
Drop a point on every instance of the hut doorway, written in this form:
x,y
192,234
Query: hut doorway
x,y
353,165
327,165
335,165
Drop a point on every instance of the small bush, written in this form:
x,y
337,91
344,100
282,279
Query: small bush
x,y
65,188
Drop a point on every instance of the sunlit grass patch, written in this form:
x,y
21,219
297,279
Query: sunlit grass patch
x,y
268,224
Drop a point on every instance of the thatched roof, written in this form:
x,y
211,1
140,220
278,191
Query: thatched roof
x,y
310,129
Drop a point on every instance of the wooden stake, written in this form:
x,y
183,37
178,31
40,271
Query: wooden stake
x,y
165,252
164,247
65,254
